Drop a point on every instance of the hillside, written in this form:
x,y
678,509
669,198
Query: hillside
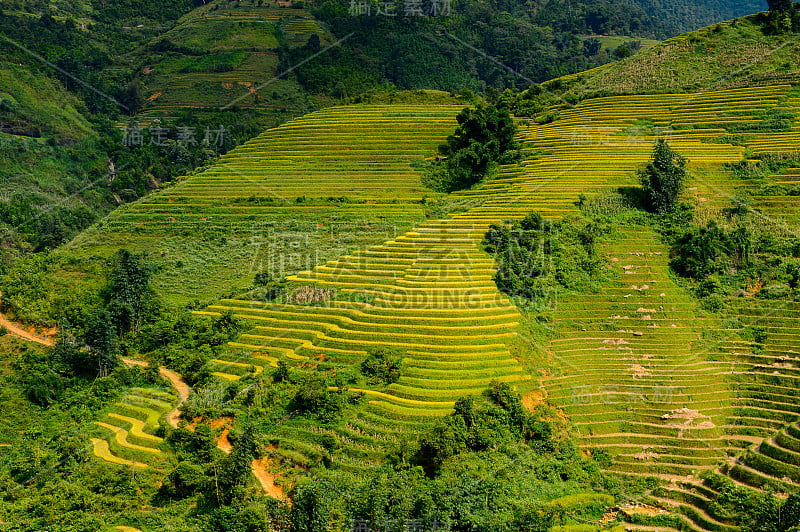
x,y
219,54
668,404
737,53
299,336
318,186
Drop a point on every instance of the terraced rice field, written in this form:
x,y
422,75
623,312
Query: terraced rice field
x,y
632,366
250,31
126,435
312,189
668,404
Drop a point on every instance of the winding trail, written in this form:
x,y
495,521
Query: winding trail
x,y
265,478
16,329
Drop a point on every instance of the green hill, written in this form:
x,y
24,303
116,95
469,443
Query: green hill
x,y
738,53
220,54
35,106
325,184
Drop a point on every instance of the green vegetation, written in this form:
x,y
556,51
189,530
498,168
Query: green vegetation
x,y
382,366
484,138
696,61
380,354
538,258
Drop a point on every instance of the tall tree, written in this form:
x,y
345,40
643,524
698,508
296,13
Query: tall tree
x,y
128,294
664,178
101,338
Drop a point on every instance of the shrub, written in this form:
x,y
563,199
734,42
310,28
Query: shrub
x,y
382,366
314,399
484,136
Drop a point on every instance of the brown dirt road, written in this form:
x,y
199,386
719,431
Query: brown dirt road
x,y
17,330
266,479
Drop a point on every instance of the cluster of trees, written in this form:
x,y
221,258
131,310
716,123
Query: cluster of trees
x,y
123,318
784,15
515,45
483,138
481,468
97,174
536,258
531,44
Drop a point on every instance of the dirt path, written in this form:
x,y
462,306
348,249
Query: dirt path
x,y
16,330
265,478
183,389
183,393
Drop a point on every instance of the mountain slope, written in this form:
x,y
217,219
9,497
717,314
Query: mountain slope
x,y
737,53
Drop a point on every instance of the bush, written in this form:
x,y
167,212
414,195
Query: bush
x,y
316,400
537,257
382,366
484,137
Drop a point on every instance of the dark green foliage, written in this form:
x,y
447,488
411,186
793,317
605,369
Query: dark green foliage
x,y
484,136
232,472
314,399
537,257
41,383
75,358
309,512
790,513
128,295
281,373
663,179
481,425
186,342
267,287
756,511
101,337
591,47
382,365
238,518
711,249
195,446
781,6
185,480
439,52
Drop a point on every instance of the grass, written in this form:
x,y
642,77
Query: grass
x,y
627,362
40,106
697,61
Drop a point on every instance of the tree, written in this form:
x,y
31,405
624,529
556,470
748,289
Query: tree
x,y
382,366
663,179
780,6
484,136
790,513
232,472
101,338
309,510
591,47
128,294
